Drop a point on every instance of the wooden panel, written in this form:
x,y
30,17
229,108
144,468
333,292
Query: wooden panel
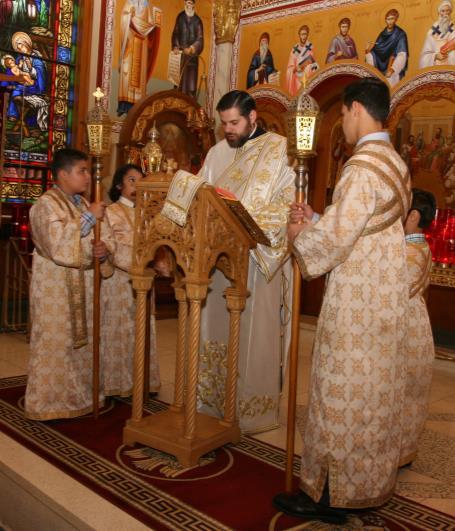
x,y
441,308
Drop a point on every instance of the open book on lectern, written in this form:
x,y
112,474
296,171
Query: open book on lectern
x,y
182,191
242,214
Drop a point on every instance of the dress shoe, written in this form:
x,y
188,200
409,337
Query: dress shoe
x,y
302,506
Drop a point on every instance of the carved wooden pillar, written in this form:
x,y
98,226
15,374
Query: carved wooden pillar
x,y
196,293
142,285
180,430
235,303
179,392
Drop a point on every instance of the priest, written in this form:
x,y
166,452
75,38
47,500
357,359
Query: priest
x,y
253,165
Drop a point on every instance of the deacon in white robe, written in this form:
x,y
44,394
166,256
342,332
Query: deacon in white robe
x,y
354,424
253,165
353,428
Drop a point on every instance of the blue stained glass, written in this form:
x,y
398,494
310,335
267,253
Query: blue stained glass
x,y
63,54
34,128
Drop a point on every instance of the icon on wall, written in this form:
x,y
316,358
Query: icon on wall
x,y
302,62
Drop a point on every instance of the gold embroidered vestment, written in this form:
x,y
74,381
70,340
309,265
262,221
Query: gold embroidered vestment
x,y
259,175
353,428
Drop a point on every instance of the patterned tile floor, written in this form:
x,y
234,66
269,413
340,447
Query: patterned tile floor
x,y
430,480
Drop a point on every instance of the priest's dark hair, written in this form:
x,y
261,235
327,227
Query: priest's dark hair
x,y
65,159
237,98
373,94
425,204
117,181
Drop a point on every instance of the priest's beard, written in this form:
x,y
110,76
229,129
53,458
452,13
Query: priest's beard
x,y
189,11
444,25
236,140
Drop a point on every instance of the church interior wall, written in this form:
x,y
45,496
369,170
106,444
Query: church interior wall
x,y
162,13
422,100
367,21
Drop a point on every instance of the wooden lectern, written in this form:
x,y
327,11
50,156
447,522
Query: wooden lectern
x,y
212,237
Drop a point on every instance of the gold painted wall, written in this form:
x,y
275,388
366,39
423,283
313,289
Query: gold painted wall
x,y
367,21
169,11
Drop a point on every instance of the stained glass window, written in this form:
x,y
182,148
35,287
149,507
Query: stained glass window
x,y
38,42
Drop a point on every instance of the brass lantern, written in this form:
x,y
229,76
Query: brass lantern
x,y
302,128
152,154
302,125
99,128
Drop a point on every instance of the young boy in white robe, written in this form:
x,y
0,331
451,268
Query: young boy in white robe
x,y
61,293
420,337
117,294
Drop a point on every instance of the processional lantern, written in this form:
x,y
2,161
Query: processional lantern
x,y
151,153
302,128
302,125
99,128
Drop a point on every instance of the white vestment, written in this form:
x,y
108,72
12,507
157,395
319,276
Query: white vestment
x,y
136,27
420,350
352,437
60,379
434,41
118,323
259,175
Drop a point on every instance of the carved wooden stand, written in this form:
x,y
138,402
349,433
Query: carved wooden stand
x,y
212,237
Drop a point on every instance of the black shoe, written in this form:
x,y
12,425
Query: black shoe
x,y
302,506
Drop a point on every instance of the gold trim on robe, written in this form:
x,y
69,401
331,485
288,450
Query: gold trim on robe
x,y
118,302
354,420
420,351
260,177
59,381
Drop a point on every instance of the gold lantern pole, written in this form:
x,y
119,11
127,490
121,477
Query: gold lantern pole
x,y
302,126
99,129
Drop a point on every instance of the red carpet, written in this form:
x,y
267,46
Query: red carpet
x,y
231,490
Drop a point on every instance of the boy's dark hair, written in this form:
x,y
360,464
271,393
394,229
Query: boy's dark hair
x,y
425,203
115,191
237,98
373,94
65,159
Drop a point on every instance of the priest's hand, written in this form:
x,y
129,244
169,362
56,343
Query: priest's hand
x,y
100,250
300,212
